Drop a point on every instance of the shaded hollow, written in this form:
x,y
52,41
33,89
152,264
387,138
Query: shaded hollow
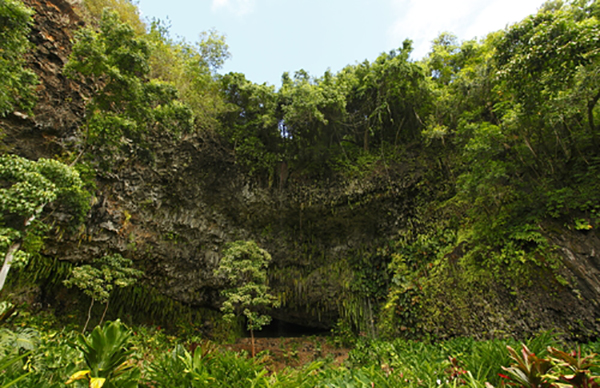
x,y
279,329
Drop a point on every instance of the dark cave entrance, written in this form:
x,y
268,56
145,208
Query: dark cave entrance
x,y
282,329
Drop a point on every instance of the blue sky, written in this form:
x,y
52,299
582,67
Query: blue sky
x,y
269,37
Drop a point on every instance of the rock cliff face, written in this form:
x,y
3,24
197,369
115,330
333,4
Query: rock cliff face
x,y
60,106
174,215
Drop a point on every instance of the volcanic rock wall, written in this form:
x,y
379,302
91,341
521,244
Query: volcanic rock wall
x,y
173,216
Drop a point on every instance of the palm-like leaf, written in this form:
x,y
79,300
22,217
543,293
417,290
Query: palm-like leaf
x,y
106,351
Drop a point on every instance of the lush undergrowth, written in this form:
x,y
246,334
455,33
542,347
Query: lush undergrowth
x,y
113,355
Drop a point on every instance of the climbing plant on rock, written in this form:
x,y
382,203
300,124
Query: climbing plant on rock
x,y
26,188
244,267
15,80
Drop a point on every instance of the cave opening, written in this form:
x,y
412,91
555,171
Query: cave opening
x,y
281,329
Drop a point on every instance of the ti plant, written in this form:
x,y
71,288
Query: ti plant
x,y
106,353
559,370
574,370
197,369
528,370
455,371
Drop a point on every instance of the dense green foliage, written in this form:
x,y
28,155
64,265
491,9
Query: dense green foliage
x,y
191,68
127,11
316,124
495,143
115,356
16,81
523,149
127,107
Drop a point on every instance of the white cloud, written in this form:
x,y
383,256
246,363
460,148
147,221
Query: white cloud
x,y
497,15
238,7
220,3
423,20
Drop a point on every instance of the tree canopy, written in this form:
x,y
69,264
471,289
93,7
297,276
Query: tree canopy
x,y
244,267
26,188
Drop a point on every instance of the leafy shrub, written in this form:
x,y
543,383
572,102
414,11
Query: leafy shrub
x,y
207,367
460,361
36,359
168,369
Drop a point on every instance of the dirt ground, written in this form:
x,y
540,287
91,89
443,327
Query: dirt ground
x,y
294,352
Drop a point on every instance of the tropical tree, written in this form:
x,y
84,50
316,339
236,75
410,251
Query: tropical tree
x,y
191,68
126,9
98,280
537,156
127,107
244,267
26,188
250,123
313,112
388,100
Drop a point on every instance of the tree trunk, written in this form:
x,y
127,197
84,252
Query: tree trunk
x,y
253,345
372,334
104,313
88,317
592,125
10,254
